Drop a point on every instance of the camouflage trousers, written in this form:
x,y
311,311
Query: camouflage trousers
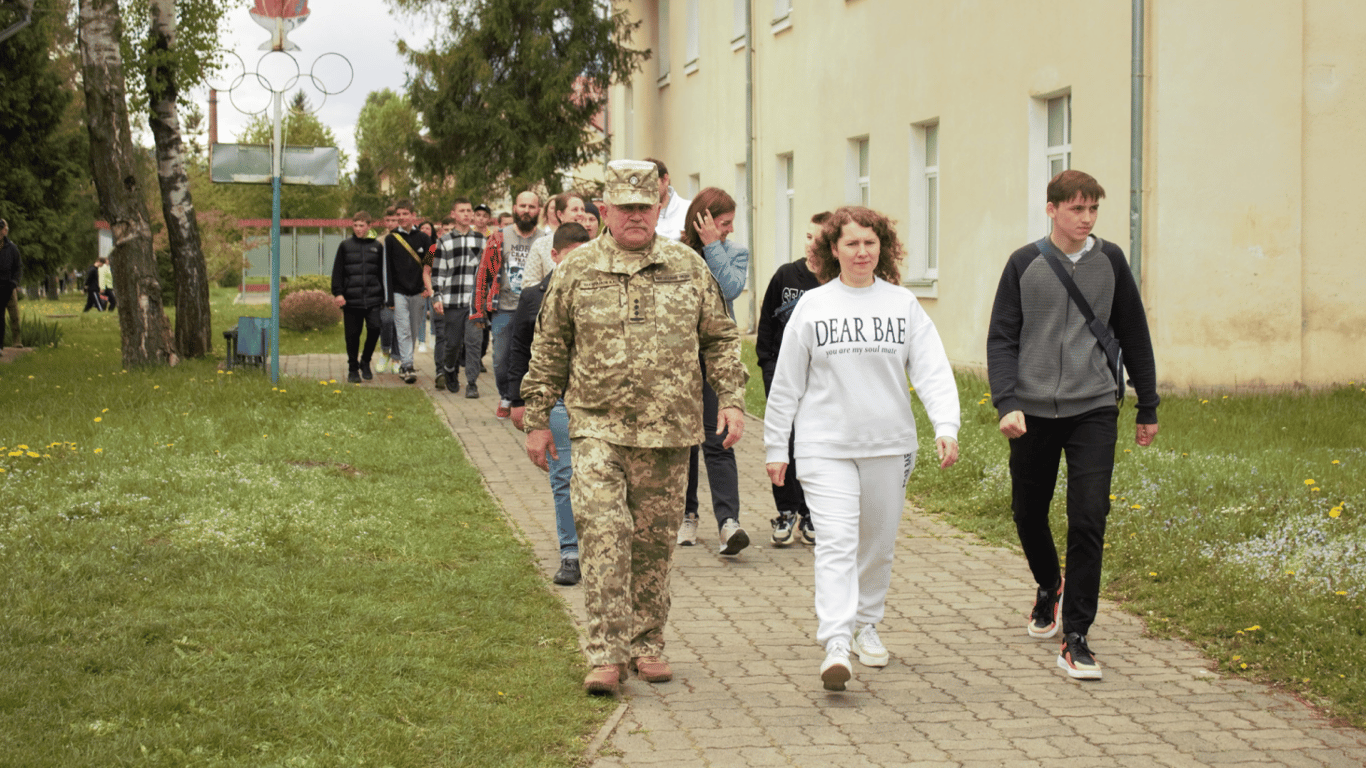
x,y
626,503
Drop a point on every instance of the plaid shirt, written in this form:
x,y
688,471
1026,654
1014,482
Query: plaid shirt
x,y
453,267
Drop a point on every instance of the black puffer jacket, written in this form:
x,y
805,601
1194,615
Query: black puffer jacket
x,y
358,273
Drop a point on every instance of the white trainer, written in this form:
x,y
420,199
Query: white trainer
x,y
422,346
835,670
871,651
687,532
733,537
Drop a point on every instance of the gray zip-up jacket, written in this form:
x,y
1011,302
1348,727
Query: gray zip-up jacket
x,y
1041,357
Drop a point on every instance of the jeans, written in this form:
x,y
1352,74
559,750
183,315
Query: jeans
x,y
722,476
1088,441
561,471
354,320
501,320
407,318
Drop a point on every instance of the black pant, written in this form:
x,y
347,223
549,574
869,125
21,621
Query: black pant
x,y
94,300
722,476
462,344
1088,442
789,496
354,319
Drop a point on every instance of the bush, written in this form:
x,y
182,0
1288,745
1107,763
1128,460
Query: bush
x,y
35,333
308,311
305,283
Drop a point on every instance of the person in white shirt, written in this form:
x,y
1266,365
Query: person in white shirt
x,y
841,381
673,209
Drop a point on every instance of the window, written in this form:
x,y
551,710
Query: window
x,y
630,122
694,185
782,15
922,236
662,44
786,210
740,12
690,54
1050,153
856,185
1059,135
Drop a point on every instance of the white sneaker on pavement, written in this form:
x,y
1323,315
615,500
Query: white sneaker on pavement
x,y
871,651
687,532
835,671
733,537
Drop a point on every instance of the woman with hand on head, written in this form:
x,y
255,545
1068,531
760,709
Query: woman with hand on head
x,y
710,220
850,352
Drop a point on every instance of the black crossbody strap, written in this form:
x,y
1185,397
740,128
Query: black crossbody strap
x,y
1108,343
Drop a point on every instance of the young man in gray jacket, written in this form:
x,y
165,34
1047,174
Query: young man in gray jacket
x,y
1055,393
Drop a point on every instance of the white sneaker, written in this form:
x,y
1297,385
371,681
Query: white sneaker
x,y
687,532
835,669
422,346
733,537
871,651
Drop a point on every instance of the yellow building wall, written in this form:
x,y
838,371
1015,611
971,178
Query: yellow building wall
x,y
1249,115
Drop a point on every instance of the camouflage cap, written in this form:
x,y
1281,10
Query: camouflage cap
x,y
632,182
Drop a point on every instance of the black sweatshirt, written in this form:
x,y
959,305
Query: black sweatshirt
x,y
789,282
1042,358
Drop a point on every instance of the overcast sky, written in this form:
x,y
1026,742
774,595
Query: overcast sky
x,y
364,31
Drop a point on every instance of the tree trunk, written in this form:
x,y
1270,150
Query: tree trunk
x,y
145,335
193,334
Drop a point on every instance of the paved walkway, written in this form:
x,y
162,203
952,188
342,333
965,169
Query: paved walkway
x,y
966,686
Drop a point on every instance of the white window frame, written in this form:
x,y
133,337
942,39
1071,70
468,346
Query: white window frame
x,y
782,16
740,12
1042,155
691,52
662,46
785,211
857,172
922,233
694,185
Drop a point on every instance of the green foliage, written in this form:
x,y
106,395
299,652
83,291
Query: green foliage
x,y
45,174
384,130
298,283
202,569
36,332
509,94
196,56
309,310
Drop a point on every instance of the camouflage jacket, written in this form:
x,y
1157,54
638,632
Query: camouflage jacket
x,y
619,334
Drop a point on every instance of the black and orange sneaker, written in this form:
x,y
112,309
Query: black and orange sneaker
x,y
1076,659
1043,620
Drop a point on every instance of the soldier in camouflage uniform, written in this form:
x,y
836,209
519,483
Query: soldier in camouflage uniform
x,y
620,331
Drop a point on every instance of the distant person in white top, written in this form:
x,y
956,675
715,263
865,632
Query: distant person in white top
x,y
673,209
841,380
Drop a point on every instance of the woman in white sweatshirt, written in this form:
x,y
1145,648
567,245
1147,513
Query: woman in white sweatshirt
x,y
842,377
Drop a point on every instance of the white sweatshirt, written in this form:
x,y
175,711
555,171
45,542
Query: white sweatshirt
x,y
842,375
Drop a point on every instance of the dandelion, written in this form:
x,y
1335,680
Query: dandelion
x,y
156,386
1243,665
98,419
1340,592
1289,573
1335,461
1310,481
324,383
106,410
99,450
1237,658
336,391
1152,573
2,470
1204,402
1112,497
1136,506
1335,512
1252,628
331,381
1315,489
32,454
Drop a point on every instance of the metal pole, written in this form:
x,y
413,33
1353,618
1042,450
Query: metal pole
x,y
275,247
749,164
1136,149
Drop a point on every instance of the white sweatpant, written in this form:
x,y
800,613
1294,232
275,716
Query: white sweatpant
x,y
856,506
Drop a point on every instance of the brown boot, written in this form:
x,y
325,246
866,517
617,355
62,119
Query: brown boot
x,y
604,679
652,669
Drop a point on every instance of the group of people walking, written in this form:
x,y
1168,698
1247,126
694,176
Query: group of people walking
x,y
616,350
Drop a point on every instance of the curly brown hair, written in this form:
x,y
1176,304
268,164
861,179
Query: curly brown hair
x,y
890,250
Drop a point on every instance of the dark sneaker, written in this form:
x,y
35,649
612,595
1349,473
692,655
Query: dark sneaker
x,y
568,575
365,372
784,528
1043,620
733,537
807,531
652,669
471,392
408,375
1076,659
452,383
440,382
353,377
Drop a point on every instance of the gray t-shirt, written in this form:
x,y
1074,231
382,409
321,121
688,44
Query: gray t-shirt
x,y
515,251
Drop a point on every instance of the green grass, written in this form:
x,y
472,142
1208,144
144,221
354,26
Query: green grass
x,y
202,569
1216,533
